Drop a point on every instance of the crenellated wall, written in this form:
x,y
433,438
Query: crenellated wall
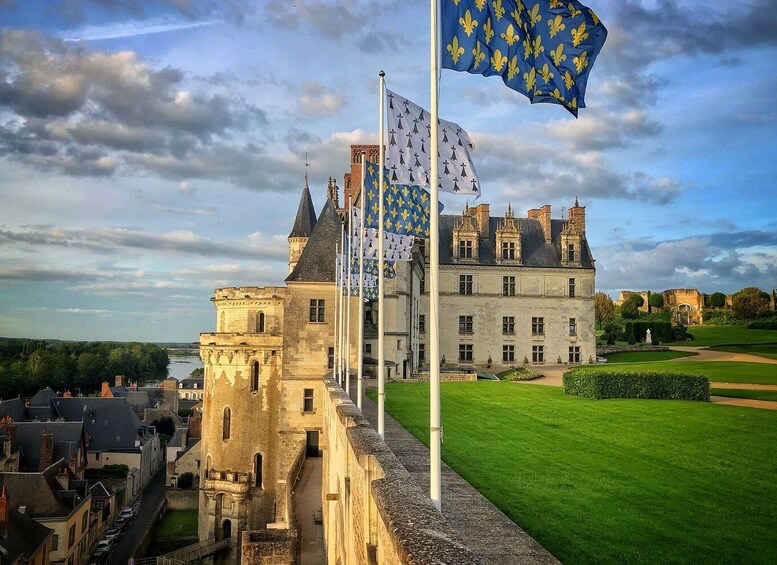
x,y
373,511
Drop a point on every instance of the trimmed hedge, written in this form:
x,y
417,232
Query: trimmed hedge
x,y
661,330
593,383
763,324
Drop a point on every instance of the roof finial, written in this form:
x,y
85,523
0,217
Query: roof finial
x,y
306,169
577,204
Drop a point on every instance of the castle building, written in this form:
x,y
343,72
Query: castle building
x,y
512,290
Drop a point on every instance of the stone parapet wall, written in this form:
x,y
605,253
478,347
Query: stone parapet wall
x,y
178,499
270,547
448,376
373,510
610,349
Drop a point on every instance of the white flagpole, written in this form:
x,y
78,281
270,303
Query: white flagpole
x,y
360,370
348,315
334,328
342,313
381,354
435,460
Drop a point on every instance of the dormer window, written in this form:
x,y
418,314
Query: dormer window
x,y
571,253
465,249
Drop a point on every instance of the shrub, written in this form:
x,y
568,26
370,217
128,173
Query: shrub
x,y
680,333
750,303
656,300
186,480
654,339
629,310
598,383
632,339
610,339
661,330
717,300
614,329
764,324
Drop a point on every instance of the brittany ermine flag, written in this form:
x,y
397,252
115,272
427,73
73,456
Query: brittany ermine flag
x,y
409,137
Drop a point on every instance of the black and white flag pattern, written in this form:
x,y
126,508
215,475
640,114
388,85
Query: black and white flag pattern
x,y
396,247
409,139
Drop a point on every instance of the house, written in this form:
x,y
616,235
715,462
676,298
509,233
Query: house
x,y
23,541
58,500
190,388
42,443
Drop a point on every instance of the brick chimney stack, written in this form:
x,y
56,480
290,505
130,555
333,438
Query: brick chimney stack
x,y
195,424
105,392
543,215
5,511
118,380
46,450
577,216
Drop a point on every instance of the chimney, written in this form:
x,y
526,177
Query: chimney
x,y
137,441
10,429
195,425
544,217
67,394
63,478
118,380
577,216
481,214
5,511
46,450
105,392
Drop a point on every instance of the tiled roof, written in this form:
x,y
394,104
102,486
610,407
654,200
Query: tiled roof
x,y
317,262
110,423
67,436
42,495
306,215
24,537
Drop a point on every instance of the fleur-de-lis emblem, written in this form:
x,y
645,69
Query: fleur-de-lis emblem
x,y
557,95
526,47
468,23
572,105
499,11
579,35
512,68
556,3
537,46
569,81
581,62
546,74
556,26
557,54
531,78
498,60
488,31
594,17
510,36
535,16
480,4
456,2
455,50
478,54
573,12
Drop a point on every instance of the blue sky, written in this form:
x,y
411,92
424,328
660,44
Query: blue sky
x,y
151,151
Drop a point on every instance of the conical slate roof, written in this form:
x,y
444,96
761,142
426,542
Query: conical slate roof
x,y
306,215
317,262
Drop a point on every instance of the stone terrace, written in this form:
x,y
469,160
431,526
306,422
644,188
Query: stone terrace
x,y
481,525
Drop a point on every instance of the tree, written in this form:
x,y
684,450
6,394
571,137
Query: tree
x,y
750,303
637,300
717,300
604,308
629,309
656,300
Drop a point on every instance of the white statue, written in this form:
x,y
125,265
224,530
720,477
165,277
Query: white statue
x,y
648,337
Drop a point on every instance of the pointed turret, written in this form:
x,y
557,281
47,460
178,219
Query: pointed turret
x,y
303,226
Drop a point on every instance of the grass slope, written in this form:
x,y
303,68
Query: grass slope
x,y
766,350
644,356
177,523
727,335
616,481
744,393
721,371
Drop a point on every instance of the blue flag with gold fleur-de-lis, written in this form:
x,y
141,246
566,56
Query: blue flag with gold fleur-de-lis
x,y
406,209
542,48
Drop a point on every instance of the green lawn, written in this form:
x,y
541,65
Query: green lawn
x,y
177,523
744,393
765,350
721,371
644,356
612,481
726,335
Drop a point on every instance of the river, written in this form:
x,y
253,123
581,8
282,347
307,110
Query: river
x,y
182,365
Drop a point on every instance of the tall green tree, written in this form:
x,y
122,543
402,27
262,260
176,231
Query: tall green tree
x,y
750,303
604,309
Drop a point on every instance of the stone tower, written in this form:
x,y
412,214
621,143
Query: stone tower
x,y
303,227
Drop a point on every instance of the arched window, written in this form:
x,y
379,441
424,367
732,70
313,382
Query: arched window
x,y
260,322
226,530
254,376
258,470
227,423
